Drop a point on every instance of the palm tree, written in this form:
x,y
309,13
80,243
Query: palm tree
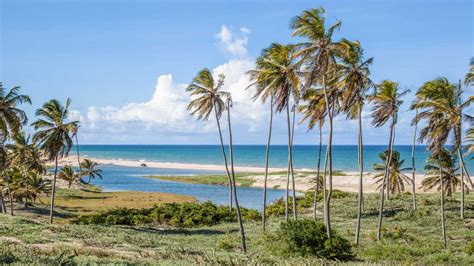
x,y
440,104
234,187
355,82
89,169
26,157
319,56
397,179
445,164
207,97
413,162
470,140
54,136
11,117
387,101
67,173
260,79
75,133
278,77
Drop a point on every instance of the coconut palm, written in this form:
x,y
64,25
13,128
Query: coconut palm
x,y
387,101
234,187
319,54
260,78
440,104
26,186
207,97
25,154
54,136
354,75
278,77
68,174
37,185
75,133
445,163
89,169
397,179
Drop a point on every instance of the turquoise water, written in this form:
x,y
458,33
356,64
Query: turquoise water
x,y
344,156
118,178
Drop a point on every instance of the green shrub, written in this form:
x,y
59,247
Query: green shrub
x,y
469,248
307,237
182,215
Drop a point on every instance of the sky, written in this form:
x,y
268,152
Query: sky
x,y
125,64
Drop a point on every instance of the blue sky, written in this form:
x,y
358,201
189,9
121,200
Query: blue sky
x,y
125,64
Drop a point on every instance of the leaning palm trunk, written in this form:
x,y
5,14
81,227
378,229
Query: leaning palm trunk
x,y
443,224
327,208
267,154
290,166
413,164
53,191
234,188
361,175
389,170
225,158
384,181
316,189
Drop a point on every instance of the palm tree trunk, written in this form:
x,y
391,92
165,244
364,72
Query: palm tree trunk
x,y
462,182
2,202
361,175
327,207
53,191
295,211
234,188
79,159
290,137
225,158
413,164
387,184
443,224
267,155
384,181
10,196
316,190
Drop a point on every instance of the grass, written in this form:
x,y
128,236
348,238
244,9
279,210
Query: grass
x,y
409,237
242,179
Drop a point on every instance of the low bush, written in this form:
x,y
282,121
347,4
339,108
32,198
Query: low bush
x,y
307,237
170,214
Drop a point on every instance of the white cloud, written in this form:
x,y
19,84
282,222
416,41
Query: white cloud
x,y
232,43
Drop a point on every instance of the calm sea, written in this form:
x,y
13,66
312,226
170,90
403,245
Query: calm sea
x,y
305,156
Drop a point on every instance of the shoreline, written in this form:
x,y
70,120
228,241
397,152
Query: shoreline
x,y
345,180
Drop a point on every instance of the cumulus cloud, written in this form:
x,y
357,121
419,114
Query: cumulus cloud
x,y
233,43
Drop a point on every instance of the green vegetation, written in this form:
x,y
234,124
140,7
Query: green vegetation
x,y
307,237
241,179
409,237
180,215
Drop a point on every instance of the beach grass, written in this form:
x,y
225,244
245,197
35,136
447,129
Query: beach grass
x,y
409,237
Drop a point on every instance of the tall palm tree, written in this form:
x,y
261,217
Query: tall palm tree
x,y
234,187
261,78
387,101
397,179
441,105
355,82
68,174
413,163
448,169
207,97
319,55
89,169
279,78
54,136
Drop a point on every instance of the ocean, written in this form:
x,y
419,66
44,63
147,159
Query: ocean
x,y
304,156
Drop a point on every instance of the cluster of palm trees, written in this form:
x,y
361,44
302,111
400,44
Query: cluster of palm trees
x,y
23,161
321,78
